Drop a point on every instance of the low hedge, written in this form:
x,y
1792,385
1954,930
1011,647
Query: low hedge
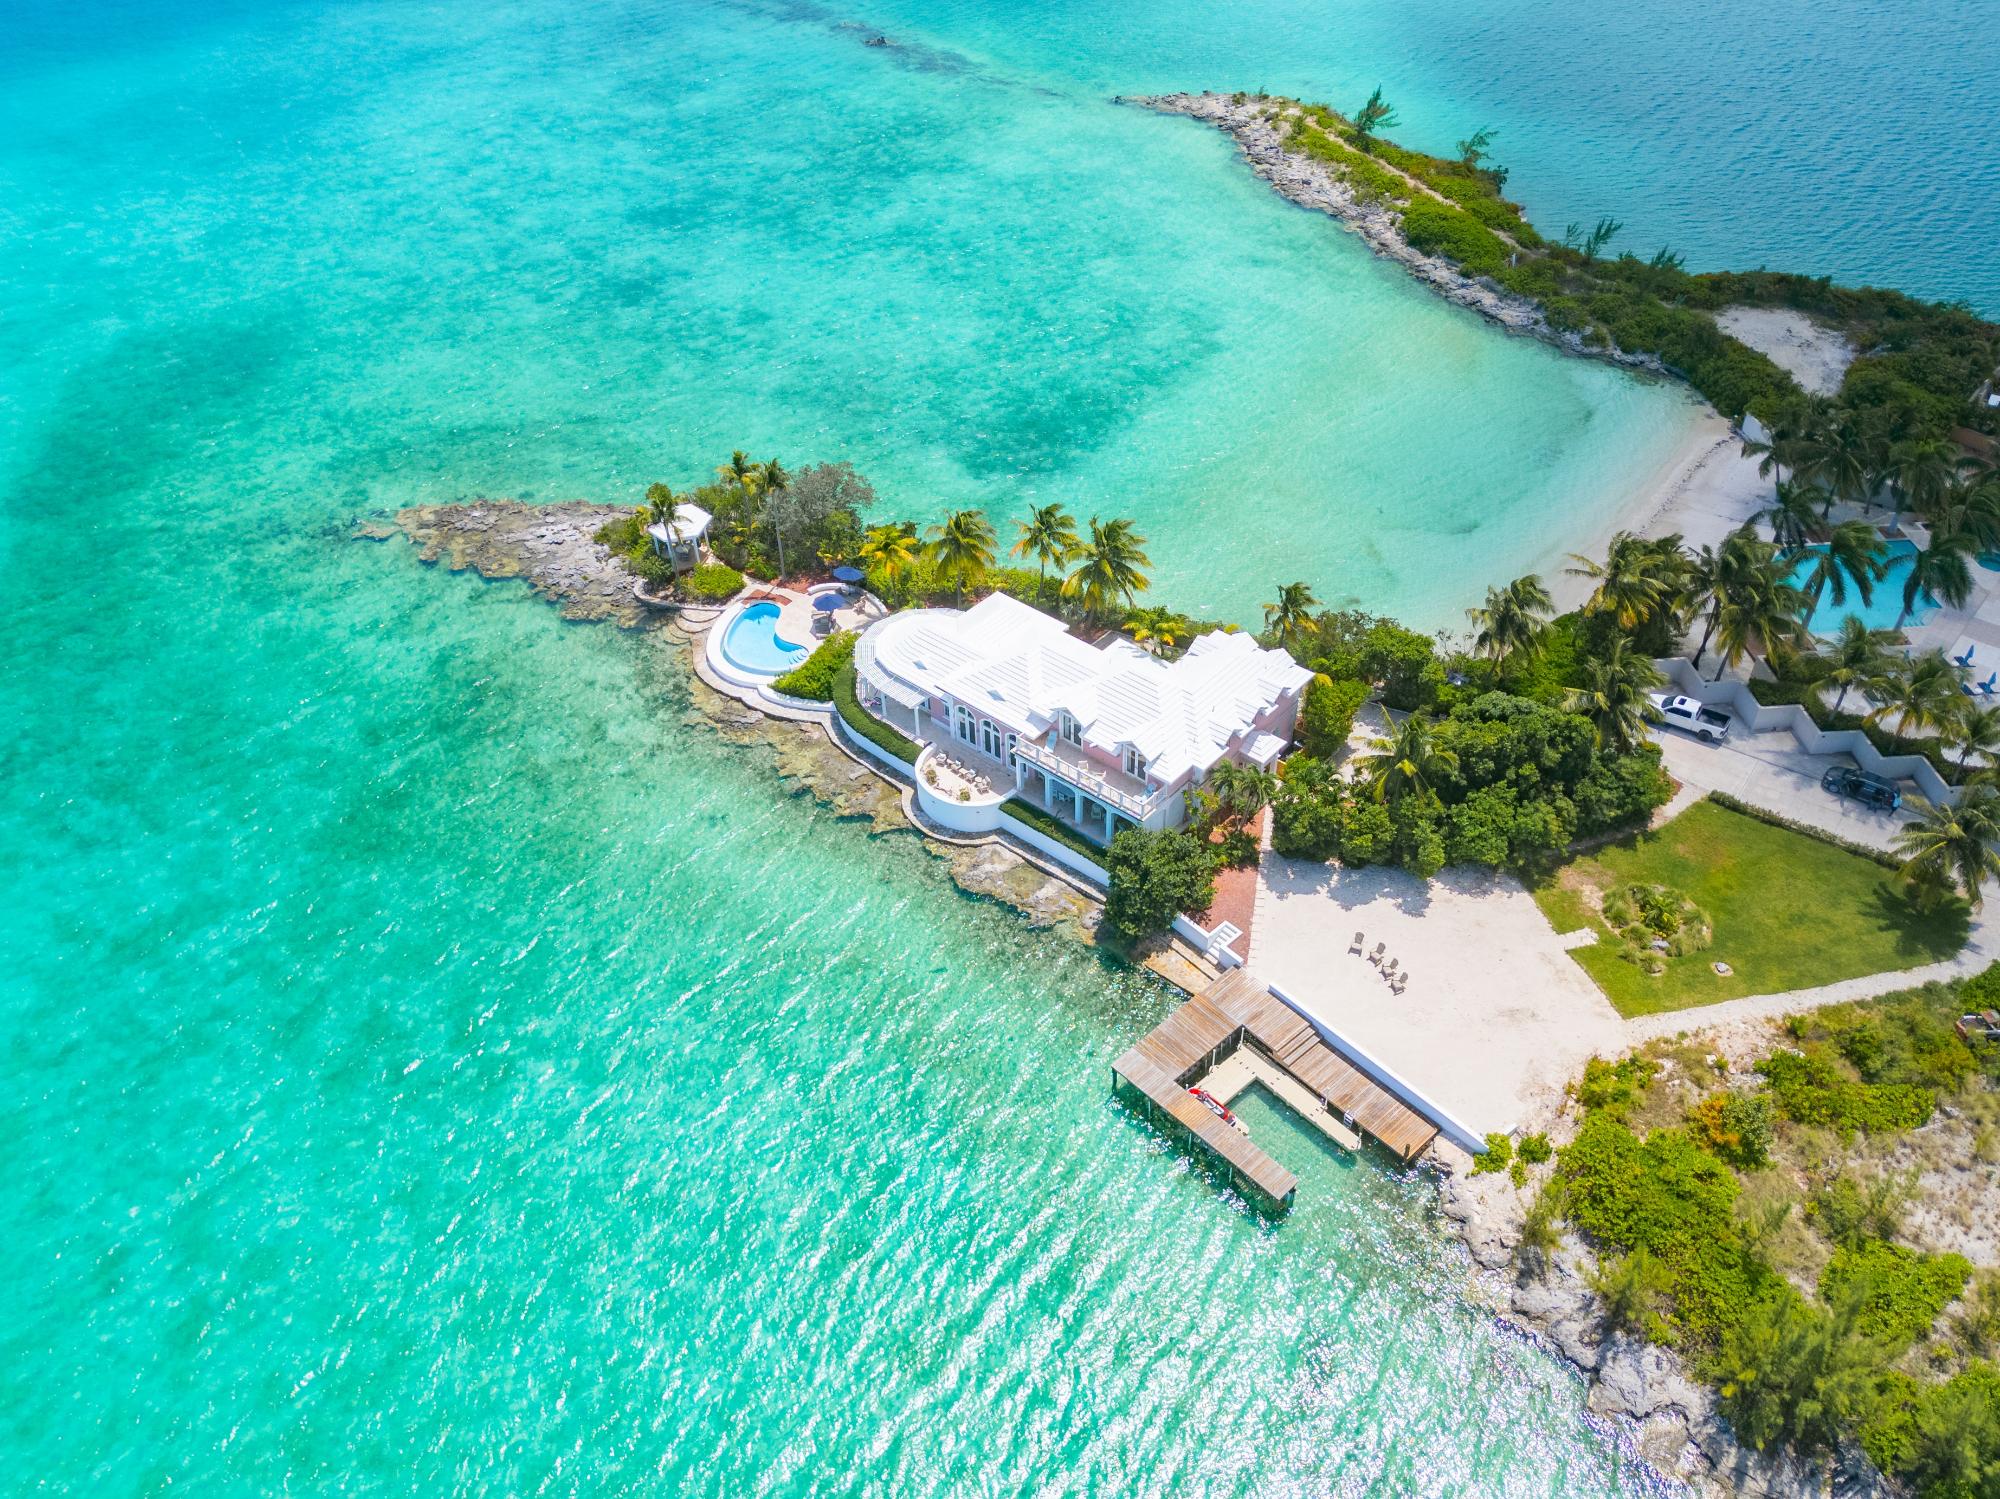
x,y
866,724
1047,823
812,680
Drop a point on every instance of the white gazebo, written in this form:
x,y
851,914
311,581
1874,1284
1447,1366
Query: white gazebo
x,y
682,539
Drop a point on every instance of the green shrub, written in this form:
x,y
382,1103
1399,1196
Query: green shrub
x,y
1367,835
1306,813
713,582
1535,1149
1154,878
1237,850
866,724
1737,1127
1498,1154
1810,1088
813,678
1612,1089
625,533
1326,714
1440,229
1673,1199
1901,1292
1404,662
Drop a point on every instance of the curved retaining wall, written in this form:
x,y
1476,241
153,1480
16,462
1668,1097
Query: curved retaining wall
x,y
981,816
1772,718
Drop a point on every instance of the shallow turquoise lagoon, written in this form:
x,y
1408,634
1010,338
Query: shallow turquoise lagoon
x,y
429,1064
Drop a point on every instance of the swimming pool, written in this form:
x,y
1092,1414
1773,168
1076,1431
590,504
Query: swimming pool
x,y
1882,611
752,642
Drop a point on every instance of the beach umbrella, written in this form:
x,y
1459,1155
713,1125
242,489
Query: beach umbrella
x,y
826,603
848,574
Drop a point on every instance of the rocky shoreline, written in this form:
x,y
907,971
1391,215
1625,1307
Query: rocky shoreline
x,y
1316,185
553,548
1675,1422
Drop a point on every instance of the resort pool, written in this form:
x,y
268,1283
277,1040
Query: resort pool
x,y
1881,612
752,642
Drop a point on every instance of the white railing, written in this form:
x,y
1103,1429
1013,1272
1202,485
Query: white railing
x,y
1135,807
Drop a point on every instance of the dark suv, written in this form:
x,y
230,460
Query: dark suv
x,y
1863,786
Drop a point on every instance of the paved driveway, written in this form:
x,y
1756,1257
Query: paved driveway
x,y
1774,772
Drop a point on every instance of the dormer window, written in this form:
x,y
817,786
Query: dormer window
x,y
1135,763
1068,730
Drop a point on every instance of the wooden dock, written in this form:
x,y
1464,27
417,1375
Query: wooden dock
x,y
1237,1011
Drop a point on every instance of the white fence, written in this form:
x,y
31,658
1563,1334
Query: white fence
x,y
1771,718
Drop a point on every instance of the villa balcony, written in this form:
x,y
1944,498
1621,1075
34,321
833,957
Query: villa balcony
x,y
1115,789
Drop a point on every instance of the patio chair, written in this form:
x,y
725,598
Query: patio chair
x,y
1356,945
1375,957
1986,687
1389,969
1966,659
1399,983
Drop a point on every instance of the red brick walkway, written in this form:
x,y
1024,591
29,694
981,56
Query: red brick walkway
x,y
1236,896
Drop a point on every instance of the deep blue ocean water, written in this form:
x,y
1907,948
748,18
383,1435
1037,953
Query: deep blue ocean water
x,y
427,1060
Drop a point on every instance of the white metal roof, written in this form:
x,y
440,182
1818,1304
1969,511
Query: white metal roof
x,y
1020,667
691,523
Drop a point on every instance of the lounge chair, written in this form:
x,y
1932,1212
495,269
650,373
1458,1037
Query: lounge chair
x,y
1389,969
1399,983
1966,659
1986,687
1356,945
1375,957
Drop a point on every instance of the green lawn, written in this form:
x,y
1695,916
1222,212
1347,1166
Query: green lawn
x,y
1789,911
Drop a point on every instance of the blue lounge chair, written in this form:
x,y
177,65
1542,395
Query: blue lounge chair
x,y
1966,659
1986,687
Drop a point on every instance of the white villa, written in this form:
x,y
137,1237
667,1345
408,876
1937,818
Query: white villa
x,y
1105,737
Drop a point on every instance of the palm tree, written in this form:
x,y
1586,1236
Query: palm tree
x,y
1292,613
1939,571
1793,517
891,550
1845,455
1629,583
1157,629
737,470
1857,657
1976,731
1616,696
1922,693
1242,790
1788,429
1108,567
768,479
1947,845
1760,609
1513,619
961,548
1048,535
1405,763
1965,512
1716,573
1921,469
1853,553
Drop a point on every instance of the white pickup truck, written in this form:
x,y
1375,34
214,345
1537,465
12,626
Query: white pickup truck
x,y
1698,719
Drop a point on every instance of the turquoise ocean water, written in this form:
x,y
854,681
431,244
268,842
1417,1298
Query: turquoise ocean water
x,y
427,1063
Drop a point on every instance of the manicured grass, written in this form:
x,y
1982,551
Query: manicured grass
x,y
1790,912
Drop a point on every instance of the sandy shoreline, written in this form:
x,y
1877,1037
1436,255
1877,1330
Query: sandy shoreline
x,y
1703,490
